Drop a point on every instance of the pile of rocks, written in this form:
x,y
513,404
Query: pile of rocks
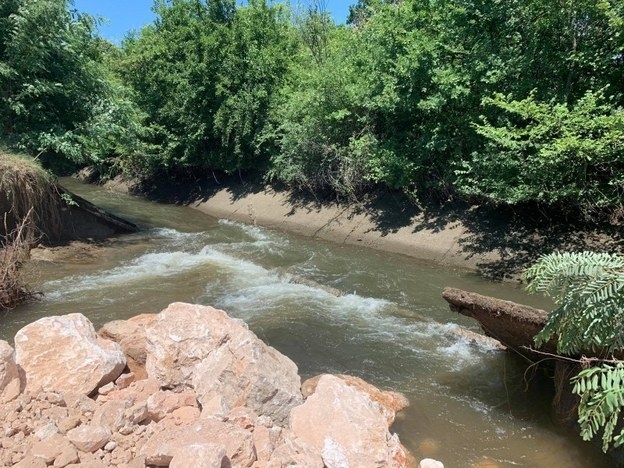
x,y
188,387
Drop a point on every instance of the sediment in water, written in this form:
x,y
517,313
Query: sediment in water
x,y
498,243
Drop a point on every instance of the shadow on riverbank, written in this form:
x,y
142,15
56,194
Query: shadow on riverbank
x,y
498,242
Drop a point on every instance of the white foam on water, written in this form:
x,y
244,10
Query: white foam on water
x,y
266,290
248,293
165,264
173,234
254,232
450,350
461,353
258,239
143,268
244,289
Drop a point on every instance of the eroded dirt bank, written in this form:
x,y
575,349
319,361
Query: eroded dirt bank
x,y
497,244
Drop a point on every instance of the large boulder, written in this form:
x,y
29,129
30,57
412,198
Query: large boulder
x,y
64,354
388,402
130,334
201,347
354,434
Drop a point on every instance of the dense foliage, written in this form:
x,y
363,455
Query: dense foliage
x,y
56,97
504,101
588,289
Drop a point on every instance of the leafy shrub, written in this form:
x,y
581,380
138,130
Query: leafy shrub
x,y
549,152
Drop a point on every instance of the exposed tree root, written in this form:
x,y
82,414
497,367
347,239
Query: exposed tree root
x,y
14,250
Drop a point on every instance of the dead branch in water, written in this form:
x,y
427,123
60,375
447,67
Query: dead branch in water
x,y
514,325
15,248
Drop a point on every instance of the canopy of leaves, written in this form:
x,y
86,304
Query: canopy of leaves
x,y
549,152
205,75
503,101
55,96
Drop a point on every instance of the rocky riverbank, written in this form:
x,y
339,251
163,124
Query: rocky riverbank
x,y
187,387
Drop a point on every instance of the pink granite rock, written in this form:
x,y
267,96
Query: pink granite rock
x,y
201,347
50,448
205,455
388,402
291,450
130,334
163,402
88,439
64,354
112,414
10,383
160,449
8,368
30,462
346,427
136,392
185,415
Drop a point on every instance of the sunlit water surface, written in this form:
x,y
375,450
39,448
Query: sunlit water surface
x,y
469,404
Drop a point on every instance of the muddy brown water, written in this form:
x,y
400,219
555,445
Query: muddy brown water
x,y
470,405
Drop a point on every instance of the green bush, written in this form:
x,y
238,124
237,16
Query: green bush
x,y
549,152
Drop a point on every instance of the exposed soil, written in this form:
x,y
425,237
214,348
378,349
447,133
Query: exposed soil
x,y
33,208
498,243
71,252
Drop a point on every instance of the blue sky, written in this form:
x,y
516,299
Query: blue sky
x,y
122,16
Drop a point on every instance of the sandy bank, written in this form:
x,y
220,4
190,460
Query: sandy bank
x,y
495,243
345,224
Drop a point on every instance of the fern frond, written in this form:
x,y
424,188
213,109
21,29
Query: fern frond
x,y
588,289
602,401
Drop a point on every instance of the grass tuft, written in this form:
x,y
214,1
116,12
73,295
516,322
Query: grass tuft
x,y
25,187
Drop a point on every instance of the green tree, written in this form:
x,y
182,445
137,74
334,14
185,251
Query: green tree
x,y
256,60
205,75
48,72
551,153
55,95
171,67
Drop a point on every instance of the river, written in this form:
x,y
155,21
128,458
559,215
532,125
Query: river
x,y
470,405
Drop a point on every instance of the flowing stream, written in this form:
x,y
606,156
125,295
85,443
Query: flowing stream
x,y
469,404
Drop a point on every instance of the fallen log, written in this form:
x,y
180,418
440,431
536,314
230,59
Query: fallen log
x,y
514,325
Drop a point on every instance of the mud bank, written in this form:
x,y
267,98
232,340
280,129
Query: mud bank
x,y
52,214
496,243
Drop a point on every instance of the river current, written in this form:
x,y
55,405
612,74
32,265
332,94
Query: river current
x,y
470,405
